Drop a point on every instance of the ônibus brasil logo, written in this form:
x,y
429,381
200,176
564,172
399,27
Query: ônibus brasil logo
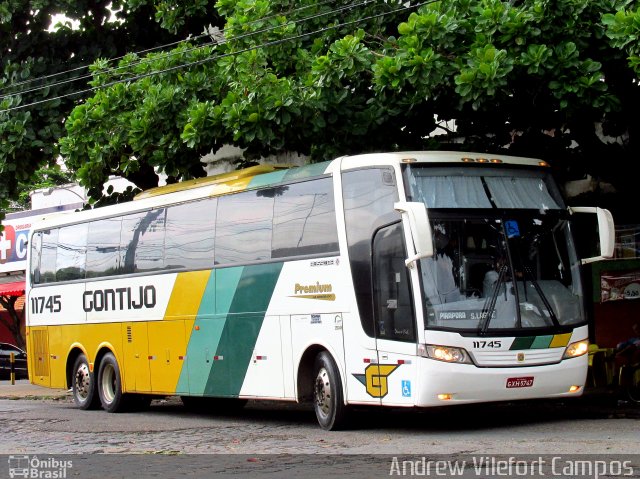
x,y
36,468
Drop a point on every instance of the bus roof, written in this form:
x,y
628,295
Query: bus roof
x,y
223,178
460,157
266,175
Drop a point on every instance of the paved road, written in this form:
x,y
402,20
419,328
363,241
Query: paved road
x,y
268,440
51,426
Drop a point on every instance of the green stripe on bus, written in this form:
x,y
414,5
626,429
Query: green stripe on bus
x,y
292,174
307,171
210,323
267,179
541,342
242,326
522,343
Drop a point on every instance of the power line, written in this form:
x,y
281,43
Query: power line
x,y
214,42
217,57
148,50
82,67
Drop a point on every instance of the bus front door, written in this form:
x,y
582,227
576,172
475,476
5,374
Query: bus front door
x,y
394,319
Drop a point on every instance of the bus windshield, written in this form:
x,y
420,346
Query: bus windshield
x,y
503,254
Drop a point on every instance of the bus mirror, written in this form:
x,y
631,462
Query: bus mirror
x,y
606,231
416,214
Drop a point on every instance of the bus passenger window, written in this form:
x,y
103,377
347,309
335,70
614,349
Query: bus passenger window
x,y
72,252
48,256
103,247
36,251
243,227
142,241
190,235
304,221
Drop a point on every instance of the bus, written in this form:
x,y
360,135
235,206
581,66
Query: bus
x,y
406,279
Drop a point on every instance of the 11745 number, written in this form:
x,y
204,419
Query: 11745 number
x,y
52,304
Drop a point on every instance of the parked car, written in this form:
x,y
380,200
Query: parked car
x,y
20,361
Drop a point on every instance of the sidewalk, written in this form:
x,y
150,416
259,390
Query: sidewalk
x,y
22,389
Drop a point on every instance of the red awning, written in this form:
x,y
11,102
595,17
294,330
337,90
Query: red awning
x,y
12,289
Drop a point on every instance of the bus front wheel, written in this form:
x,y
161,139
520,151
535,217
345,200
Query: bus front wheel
x,y
328,398
83,384
109,384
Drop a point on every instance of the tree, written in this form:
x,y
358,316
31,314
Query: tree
x,y
257,99
544,78
31,55
556,79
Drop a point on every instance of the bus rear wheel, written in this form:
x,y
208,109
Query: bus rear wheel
x,y
83,384
110,385
328,398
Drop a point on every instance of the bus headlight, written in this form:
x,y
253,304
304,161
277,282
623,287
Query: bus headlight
x,y
576,349
448,354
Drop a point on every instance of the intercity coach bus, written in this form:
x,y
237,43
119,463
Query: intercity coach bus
x,y
408,279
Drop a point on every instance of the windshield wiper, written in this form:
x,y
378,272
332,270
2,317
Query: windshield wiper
x,y
545,301
490,305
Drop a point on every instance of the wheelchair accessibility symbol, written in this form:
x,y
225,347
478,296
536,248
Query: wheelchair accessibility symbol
x,y
406,388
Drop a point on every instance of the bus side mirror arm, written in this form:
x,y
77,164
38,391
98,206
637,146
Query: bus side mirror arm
x,y
606,230
420,229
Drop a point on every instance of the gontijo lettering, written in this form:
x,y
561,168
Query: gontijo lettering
x,y
119,299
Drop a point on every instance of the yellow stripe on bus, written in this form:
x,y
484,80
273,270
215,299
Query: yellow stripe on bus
x,y
168,339
187,294
560,340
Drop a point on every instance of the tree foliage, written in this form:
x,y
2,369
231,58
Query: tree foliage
x,y
544,78
556,79
268,88
31,54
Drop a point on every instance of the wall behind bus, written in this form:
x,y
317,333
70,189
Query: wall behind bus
x,y
613,320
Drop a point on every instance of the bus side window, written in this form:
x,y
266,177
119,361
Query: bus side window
x,y
244,227
142,241
36,250
103,247
48,256
72,252
394,313
304,220
190,235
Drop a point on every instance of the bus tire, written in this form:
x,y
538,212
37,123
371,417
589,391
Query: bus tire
x,y
83,384
328,398
110,385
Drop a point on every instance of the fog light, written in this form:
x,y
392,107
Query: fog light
x,y
445,397
574,389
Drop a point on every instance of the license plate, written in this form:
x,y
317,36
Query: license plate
x,y
525,382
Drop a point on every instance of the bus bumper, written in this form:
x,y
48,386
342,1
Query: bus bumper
x,y
464,383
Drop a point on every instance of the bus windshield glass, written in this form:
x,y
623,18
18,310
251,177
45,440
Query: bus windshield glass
x,y
503,253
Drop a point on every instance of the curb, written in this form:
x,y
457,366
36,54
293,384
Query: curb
x,y
22,389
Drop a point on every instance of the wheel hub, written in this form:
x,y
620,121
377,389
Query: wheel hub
x,y
323,392
108,383
83,381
